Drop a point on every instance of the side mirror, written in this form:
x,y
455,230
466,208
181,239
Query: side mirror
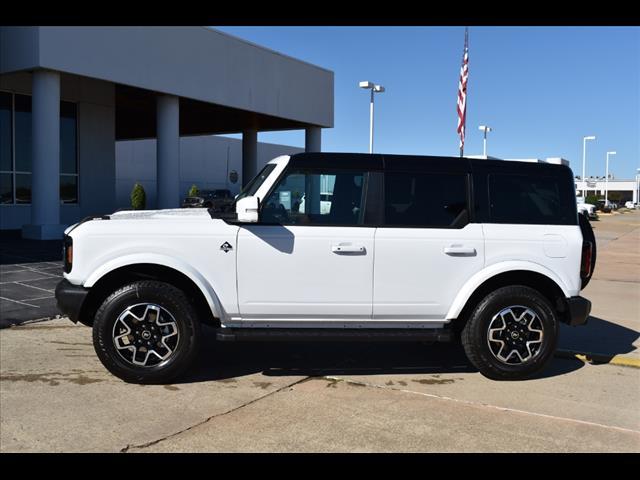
x,y
247,209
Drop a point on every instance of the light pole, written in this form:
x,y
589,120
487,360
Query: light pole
x,y
485,129
374,89
584,163
606,180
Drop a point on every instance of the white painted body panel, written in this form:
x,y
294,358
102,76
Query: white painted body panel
x,y
186,240
414,278
556,248
292,273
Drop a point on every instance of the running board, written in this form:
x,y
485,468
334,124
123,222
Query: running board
x,y
333,335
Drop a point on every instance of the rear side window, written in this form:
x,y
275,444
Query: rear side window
x,y
531,199
419,199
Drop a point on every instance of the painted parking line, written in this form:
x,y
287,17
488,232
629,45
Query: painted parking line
x,y
33,286
21,303
600,358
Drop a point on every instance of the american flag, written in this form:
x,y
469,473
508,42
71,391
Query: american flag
x,y
462,91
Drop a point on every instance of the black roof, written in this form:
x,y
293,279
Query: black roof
x,y
424,163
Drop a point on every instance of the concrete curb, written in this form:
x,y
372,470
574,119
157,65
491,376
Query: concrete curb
x,y
600,358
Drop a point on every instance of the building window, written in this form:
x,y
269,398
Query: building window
x,y
16,155
6,149
68,153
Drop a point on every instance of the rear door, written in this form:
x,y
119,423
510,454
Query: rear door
x,y
427,248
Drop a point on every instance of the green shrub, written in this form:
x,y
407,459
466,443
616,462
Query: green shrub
x,y
193,191
138,197
592,199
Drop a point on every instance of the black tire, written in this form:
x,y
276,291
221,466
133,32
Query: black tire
x,y
475,333
168,298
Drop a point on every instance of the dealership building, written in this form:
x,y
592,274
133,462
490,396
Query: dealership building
x,y
71,97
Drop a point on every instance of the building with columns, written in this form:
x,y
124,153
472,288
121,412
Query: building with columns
x,y
68,94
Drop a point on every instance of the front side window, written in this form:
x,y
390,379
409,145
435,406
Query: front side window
x,y
531,199
431,200
316,198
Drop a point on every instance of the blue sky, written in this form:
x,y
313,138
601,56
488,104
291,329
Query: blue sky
x,y
541,88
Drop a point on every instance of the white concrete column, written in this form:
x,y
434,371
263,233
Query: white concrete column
x,y
45,161
249,155
168,151
313,139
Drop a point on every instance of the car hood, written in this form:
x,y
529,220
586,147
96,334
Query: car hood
x,y
169,214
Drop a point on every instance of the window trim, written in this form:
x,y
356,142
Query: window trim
x,y
468,200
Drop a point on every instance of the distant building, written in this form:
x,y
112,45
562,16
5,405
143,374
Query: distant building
x,y
556,160
624,190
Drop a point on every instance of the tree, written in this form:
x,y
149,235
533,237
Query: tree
x,y
193,191
138,197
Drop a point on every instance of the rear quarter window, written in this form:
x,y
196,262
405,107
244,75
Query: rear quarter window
x,y
531,199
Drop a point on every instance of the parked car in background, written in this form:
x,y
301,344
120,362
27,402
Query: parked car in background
x,y
630,204
219,200
586,209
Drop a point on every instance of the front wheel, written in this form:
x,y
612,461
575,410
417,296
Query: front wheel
x,y
511,334
146,332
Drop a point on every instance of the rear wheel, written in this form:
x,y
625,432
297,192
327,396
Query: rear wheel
x,y
146,332
511,334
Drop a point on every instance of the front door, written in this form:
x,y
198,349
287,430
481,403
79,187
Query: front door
x,y
309,261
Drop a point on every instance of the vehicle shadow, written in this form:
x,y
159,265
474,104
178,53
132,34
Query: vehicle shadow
x,y
598,336
221,361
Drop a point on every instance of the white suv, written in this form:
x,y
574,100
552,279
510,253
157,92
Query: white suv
x,y
409,248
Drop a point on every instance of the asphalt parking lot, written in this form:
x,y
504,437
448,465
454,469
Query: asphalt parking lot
x,y
357,397
29,273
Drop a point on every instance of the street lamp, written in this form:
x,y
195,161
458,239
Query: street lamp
x,y
584,162
637,199
374,89
485,129
606,180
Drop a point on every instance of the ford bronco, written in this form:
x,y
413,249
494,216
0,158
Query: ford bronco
x,y
328,246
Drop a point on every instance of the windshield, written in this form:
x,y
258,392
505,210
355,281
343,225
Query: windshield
x,y
252,187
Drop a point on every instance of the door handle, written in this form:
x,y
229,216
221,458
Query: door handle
x,y
460,250
348,249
